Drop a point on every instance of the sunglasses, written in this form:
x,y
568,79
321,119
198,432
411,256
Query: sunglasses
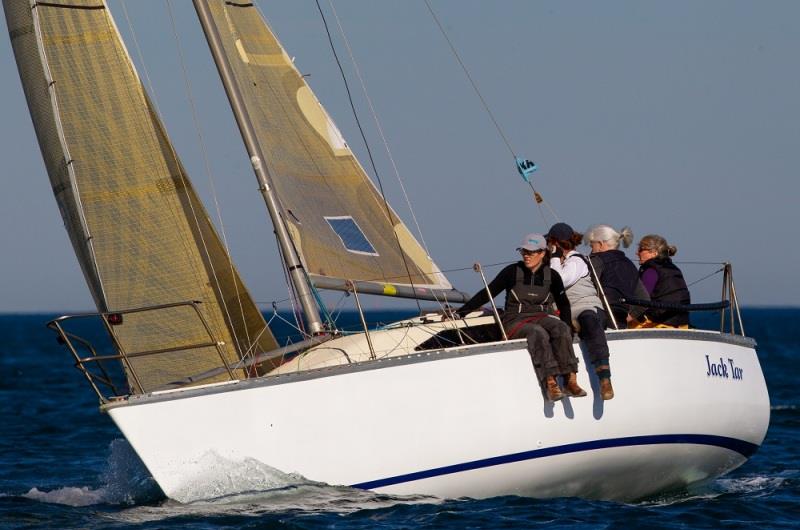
x,y
526,252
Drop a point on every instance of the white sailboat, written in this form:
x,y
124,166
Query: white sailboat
x,y
420,406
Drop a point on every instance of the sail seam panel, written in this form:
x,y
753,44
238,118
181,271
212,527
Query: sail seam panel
x,y
110,118
66,6
245,319
100,297
181,188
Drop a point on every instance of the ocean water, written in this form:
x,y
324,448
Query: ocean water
x,y
64,465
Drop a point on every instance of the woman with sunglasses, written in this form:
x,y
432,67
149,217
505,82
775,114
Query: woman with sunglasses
x,y
664,281
531,287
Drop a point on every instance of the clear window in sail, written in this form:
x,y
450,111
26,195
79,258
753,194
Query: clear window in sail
x,y
351,235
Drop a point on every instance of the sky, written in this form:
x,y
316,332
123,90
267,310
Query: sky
x,y
679,118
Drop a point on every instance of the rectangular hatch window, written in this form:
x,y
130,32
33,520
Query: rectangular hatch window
x,y
351,235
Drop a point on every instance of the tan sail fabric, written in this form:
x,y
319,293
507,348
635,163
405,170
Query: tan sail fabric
x,y
336,217
141,235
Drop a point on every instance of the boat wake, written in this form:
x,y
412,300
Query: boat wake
x,y
213,478
124,481
755,485
224,487
221,484
750,486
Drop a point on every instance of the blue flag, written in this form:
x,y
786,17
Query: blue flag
x,y
526,168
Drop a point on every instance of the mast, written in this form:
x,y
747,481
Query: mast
x,y
290,257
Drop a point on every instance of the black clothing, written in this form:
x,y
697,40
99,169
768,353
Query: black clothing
x,y
524,289
549,345
527,314
670,287
620,279
592,332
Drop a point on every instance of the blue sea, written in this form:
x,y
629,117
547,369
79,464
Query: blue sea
x,y
64,465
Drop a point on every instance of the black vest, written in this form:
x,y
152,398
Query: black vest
x,y
670,287
618,276
525,297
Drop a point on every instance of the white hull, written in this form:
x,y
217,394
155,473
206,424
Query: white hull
x,y
472,421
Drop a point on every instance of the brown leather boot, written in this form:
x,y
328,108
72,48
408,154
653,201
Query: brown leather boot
x,y
606,390
604,375
553,390
572,387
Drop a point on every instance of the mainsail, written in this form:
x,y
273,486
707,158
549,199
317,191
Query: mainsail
x,y
339,223
141,235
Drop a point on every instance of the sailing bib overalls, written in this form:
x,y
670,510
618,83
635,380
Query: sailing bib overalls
x,y
527,315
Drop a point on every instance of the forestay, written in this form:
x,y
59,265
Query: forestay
x,y
338,221
141,235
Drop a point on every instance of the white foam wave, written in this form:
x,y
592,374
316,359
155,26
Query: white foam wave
x,y
70,496
309,498
215,485
213,477
125,480
751,486
755,485
783,407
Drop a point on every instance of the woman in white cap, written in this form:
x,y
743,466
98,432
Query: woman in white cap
x,y
531,286
618,276
588,315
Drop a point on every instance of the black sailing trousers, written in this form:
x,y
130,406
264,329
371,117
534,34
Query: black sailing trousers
x,y
549,345
592,332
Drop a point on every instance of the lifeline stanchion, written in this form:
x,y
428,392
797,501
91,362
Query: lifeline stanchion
x,y
477,268
352,286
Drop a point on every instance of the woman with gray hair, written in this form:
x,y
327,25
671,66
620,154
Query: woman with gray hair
x,y
618,276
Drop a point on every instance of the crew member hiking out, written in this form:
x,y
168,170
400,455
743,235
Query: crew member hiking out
x,y
531,286
588,315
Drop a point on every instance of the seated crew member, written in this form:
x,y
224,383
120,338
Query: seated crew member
x,y
618,276
588,316
663,281
530,286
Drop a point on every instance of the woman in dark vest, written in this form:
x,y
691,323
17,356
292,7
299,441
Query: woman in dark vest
x,y
618,275
531,286
664,281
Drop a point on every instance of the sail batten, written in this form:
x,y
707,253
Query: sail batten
x,y
339,222
139,230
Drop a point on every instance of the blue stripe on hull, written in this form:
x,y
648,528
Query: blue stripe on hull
x,y
746,449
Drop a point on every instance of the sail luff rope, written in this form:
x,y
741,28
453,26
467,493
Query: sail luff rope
x,y
207,168
379,127
486,107
369,151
